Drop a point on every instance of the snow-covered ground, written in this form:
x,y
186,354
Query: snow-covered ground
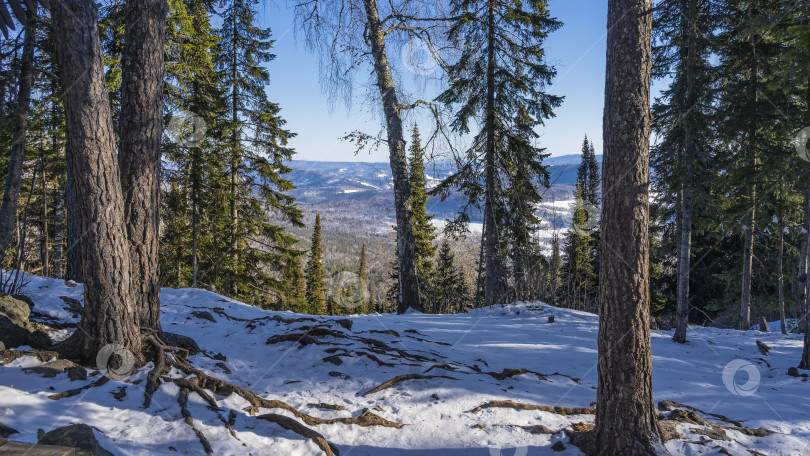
x,y
436,412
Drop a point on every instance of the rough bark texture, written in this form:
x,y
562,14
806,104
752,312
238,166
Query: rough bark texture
x,y
8,210
805,361
626,420
109,314
141,127
59,231
687,200
73,266
406,245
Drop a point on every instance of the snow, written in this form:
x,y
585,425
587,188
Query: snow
x,y
491,339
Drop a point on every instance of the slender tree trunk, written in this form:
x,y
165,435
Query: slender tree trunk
x,y
11,194
492,288
73,267
626,419
781,273
804,363
195,185
687,201
43,247
110,314
235,159
801,274
406,245
141,128
59,230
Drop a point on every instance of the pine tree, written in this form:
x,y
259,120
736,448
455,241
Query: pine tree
x,y
316,287
423,231
503,42
578,273
257,153
451,293
362,275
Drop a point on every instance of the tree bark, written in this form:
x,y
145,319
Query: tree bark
x,y
780,271
626,420
406,245
687,199
141,128
59,230
110,314
43,247
73,266
11,194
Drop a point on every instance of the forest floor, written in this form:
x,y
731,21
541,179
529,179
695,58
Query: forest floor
x,y
451,369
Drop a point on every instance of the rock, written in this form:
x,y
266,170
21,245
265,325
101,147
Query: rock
x,y
223,367
551,319
559,446
177,340
11,334
334,359
339,375
16,310
79,436
77,373
6,431
346,323
74,306
39,340
2,347
25,299
793,372
70,283
203,315
52,368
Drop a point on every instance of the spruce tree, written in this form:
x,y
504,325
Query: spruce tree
x,y
451,292
257,154
423,231
316,286
578,276
499,78
362,275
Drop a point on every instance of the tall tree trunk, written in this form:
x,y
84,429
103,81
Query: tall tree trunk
x,y
141,128
780,270
59,230
687,200
110,314
8,209
73,266
195,209
492,279
235,159
43,247
406,245
804,363
626,420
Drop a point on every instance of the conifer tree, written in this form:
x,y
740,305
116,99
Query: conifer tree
x,y
316,287
423,231
362,275
451,293
500,78
578,276
257,153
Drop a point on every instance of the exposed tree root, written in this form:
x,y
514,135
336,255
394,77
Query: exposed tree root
x,y
73,392
691,417
182,401
543,408
401,378
8,356
224,388
509,373
300,429
153,376
444,366
668,406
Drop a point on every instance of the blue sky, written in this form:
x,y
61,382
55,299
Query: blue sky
x,y
577,50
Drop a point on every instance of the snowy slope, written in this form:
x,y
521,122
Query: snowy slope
x,y
436,412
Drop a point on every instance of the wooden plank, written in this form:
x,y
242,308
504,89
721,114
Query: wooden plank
x,y
28,449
